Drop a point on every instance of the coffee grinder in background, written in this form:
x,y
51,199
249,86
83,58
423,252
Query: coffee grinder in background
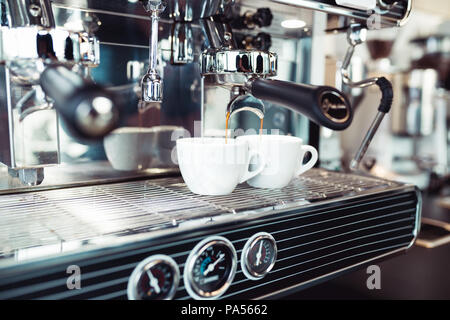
x,y
419,114
420,124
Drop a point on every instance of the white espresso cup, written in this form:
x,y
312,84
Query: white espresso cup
x,y
136,148
283,156
210,166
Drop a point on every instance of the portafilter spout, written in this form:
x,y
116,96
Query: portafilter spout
x,y
242,101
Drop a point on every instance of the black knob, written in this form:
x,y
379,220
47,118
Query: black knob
x,y
263,17
250,20
262,41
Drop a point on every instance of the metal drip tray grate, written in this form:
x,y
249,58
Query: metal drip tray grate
x,y
84,213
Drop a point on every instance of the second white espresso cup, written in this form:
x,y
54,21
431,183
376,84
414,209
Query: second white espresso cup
x,y
283,156
213,166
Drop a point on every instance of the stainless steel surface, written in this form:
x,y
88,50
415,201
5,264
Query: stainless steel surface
x,y
189,10
30,135
356,35
85,173
396,16
25,13
356,161
29,43
247,63
86,214
123,36
151,83
123,33
26,60
182,43
29,177
38,97
245,102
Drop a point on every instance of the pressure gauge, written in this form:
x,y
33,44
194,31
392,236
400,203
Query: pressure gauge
x,y
155,278
258,256
210,268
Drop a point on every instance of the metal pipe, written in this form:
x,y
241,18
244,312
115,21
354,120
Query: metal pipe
x,y
356,34
152,84
354,164
24,13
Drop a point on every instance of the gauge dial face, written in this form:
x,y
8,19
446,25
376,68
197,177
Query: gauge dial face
x,y
155,278
258,256
210,268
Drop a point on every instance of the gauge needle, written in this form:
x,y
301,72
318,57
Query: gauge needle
x,y
213,265
259,254
153,282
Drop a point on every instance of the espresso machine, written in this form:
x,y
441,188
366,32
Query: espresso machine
x,y
81,69
44,69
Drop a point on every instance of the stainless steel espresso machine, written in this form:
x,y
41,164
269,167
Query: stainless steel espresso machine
x,y
72,227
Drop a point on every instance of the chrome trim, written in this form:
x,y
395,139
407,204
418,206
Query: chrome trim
x,y
100,11
152,83
25,13
225,61
343,11
418,217
246,250
68,46
385,5
12,146
194,255
405,19
147,264
26,60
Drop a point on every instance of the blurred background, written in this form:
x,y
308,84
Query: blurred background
x,y
412,146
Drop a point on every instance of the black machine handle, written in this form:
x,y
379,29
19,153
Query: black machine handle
x,y
323,105
88,110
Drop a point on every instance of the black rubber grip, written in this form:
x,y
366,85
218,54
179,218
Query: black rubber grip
x,y
387,94
315,102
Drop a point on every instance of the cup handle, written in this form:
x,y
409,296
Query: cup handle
x,y
250,174
310,163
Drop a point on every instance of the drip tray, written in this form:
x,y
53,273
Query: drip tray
x,y
119,209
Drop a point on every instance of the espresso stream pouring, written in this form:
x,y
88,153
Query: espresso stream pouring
x,y
245,102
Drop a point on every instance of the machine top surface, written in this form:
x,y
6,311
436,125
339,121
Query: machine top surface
x,y
45,223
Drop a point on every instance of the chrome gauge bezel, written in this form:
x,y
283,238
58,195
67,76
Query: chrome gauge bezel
x,y
189,283
147,264
248,272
